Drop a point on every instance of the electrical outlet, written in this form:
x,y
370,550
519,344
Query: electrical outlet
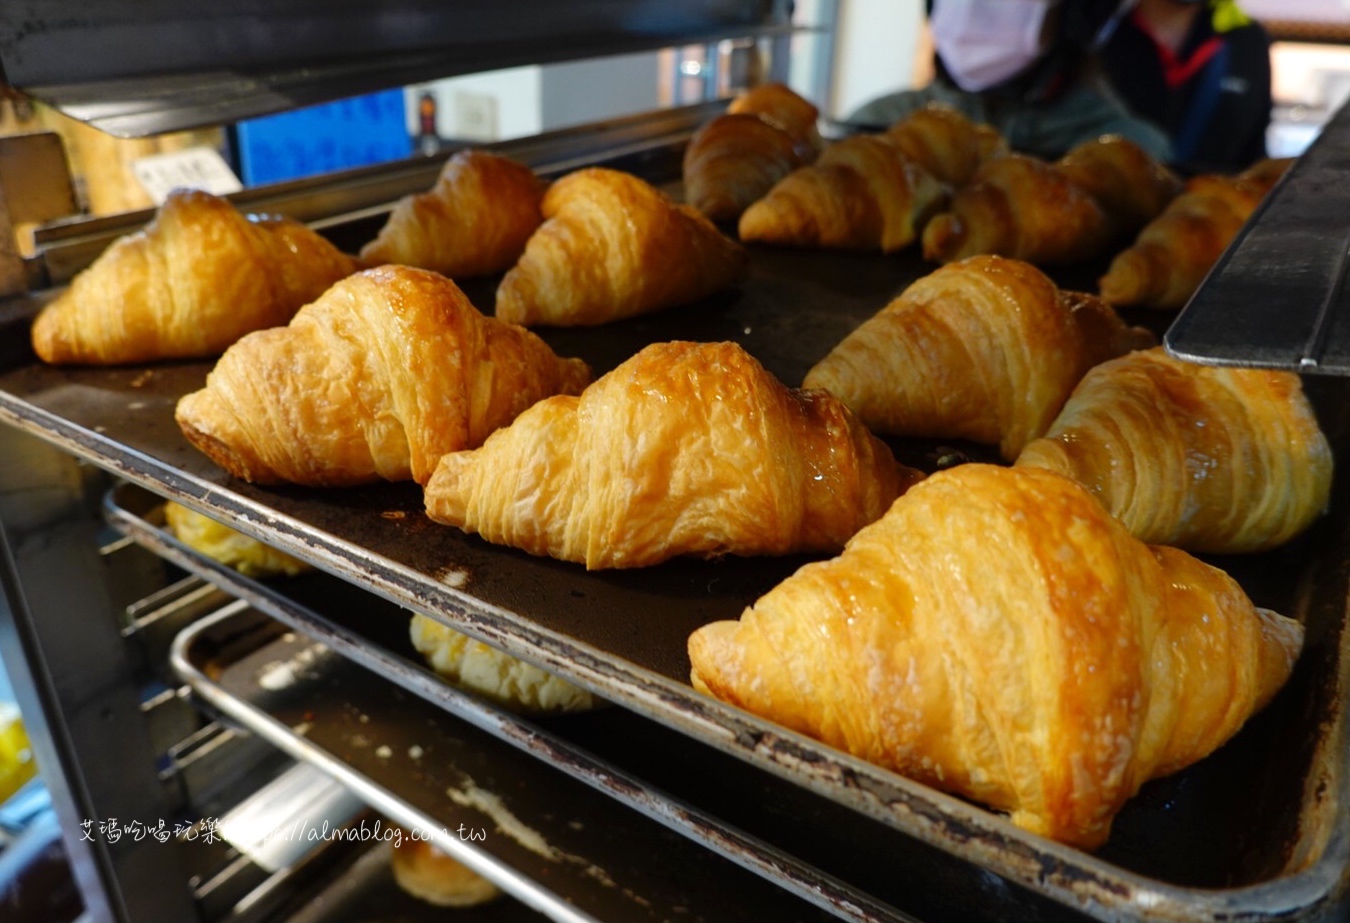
x,y
476,116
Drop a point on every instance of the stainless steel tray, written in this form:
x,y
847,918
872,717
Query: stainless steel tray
x,y
1257,831
557,846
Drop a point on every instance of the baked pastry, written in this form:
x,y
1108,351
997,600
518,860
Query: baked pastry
x,y
1204,458
388,371
862,194
193,281
220,543
1175,251
685,449
495,675
1127,183
945,143
734,160
987,349
1020,207
473,222
999,636
778,105
612,246
430,875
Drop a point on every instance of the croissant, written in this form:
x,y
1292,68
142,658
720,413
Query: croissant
x,y
1020,207
998,636
778,105
861,194
987,349
379,378
685,449
194,280
945,143
734,160
1203,458
612,246
1175,251
474,221
220,543
1130,186
473,665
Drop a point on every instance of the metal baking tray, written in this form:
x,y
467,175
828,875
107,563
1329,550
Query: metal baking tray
x,y
556,845
594,748
1257,831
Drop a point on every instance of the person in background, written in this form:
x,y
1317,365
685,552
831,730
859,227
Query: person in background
x,y
1200,69
1026,67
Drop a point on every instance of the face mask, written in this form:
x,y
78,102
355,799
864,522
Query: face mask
x,y
984,42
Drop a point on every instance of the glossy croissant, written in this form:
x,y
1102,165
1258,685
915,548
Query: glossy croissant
x,y
1204,458
380,377
987,349
945,143
685,449
999,636
1174,252
734,160
193,281
473,222
1130,185
612,246
861,194
778,105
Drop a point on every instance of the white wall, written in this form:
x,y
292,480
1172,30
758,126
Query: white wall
x,y
875,51
510,100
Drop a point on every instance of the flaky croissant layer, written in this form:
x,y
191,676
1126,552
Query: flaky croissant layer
x,y
685,449
384,374
999,636
195,280
1205,458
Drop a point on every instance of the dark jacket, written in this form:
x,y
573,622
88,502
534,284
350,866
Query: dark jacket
x,y
1213,98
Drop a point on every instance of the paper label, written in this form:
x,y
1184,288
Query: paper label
x,y
191,168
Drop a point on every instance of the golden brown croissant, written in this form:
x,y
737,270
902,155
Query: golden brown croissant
x,y
474,221
197,278
379,378
612,246
1265,173
1204,458
779,105
1020,207
945,143
987,349
1130,186
1175,251
998,635
430,875
861,194
734,160
685,449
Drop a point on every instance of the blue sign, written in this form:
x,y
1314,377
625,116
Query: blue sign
x,y
320,139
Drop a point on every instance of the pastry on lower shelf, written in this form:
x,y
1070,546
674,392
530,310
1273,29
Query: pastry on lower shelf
x,y
1205,458
1019,207
384,374
945,143
1175,251
685,449
430,875
862,194
731,162
999,636
613,246
473,222
778,105
220,543
1130,185
495,675
987,349
193,281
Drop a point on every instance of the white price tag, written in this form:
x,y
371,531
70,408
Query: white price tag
x,y
191,168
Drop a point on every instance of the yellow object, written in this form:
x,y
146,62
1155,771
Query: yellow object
x,y
17,765
220,543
